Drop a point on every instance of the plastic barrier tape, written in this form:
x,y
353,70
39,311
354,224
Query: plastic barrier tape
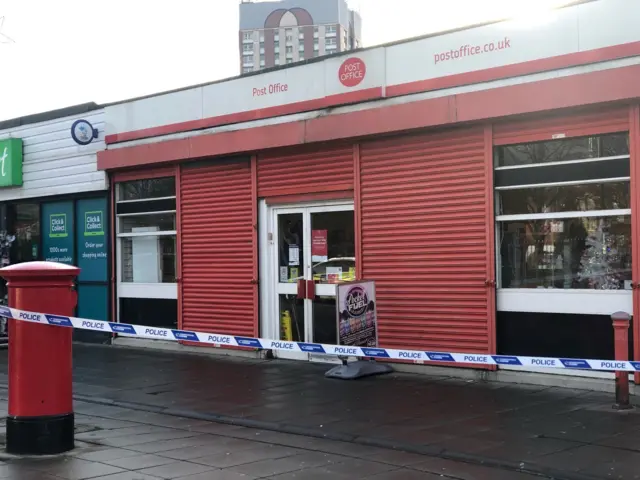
x,y
154,333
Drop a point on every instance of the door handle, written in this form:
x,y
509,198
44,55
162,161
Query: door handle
x,y
302,289
311,289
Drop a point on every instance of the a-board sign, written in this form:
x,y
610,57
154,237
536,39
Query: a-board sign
x,y
357,315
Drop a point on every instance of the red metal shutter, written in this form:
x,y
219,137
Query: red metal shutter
x,y
217,248
536,128
309,170
424,239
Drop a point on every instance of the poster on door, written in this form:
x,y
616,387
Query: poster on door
x,y
357,315
319,248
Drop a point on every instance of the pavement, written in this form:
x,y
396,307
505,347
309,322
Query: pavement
x,y
115,443
394,426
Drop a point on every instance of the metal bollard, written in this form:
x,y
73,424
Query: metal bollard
x,y
621,345
40,420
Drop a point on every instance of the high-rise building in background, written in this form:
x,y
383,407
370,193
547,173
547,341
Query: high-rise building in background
x,y
288,31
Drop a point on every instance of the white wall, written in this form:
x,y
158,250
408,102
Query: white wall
x,y
53,164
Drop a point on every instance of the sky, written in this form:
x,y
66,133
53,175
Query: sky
x,y
66,52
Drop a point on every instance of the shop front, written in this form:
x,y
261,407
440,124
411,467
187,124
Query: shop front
x,y
55,206
491,197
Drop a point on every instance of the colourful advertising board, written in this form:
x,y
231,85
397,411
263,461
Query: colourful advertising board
x,y
357,316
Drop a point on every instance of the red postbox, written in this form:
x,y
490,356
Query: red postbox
x,y
40,420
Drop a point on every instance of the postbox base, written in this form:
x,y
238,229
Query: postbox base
x,y
40,435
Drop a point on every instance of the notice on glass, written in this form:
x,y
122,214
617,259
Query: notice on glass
x,y
58,238
294,256
357,314
91,238
284,274
294,275
319,247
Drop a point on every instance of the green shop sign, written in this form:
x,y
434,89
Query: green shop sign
x,y
11,162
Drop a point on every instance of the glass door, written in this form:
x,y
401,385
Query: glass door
x,y
313,249
290,272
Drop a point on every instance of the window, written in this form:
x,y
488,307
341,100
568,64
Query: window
x,y
301,48
247,69
288,35
277,61
146,231
289,49
262,57
247,36
25,225
289,60
301,36
247,48
330,41
564,214
330,29
276,44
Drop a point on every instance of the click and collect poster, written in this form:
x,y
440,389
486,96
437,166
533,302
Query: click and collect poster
x,y
91,237
58,232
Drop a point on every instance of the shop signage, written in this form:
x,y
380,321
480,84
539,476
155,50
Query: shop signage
x,y
352,72
83,132
11,162
430,63
58,241
357,316
319,247
92,239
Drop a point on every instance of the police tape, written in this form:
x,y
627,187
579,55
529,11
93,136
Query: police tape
x,y
220,340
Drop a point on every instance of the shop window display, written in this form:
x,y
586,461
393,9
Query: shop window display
x,y
563,214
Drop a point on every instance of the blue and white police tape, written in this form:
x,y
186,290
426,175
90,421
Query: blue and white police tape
x,y
220,340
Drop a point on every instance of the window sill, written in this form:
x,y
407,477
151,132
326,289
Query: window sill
x,y
548,300
148,290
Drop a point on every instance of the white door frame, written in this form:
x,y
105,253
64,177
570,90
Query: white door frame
x,y
270,287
